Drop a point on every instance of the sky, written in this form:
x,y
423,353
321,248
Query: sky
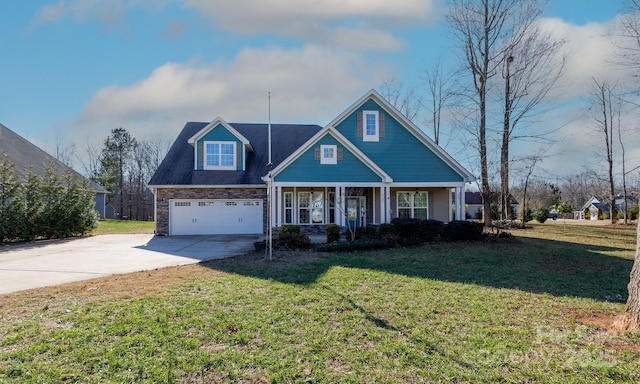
x,y
72,70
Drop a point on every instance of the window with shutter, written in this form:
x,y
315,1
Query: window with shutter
x,y
370,126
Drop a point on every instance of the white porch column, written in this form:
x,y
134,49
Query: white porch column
x,y
278,197
383,208
460,214
387,208
463,210
342,207
272,204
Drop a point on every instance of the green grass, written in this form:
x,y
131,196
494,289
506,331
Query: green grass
x,y
109,227
486,312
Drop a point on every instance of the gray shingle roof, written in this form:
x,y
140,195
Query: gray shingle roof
x,y
26,155
177,168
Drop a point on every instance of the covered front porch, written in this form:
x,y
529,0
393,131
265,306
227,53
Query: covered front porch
x,y
359,205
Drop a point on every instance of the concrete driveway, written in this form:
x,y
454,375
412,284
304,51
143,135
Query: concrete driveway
x,y
47,263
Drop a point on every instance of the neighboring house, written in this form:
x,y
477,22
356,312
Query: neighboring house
x,y
474,208
367,166
26,155
596,203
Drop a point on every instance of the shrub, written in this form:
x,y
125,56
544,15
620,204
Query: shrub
x,y
527,215
294,240
368,233
333,233
387,230
431,230
541,215
407,228
587,214
288,228
462,231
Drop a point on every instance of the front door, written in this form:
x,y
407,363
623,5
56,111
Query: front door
x,y
355,211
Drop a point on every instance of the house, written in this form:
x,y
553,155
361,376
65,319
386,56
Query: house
x,y
598,204
367,166
26,156
474,207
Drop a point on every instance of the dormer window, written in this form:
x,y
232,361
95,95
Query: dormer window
x,y
370,129
220,155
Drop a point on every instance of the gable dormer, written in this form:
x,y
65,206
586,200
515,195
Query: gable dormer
x,y
219,147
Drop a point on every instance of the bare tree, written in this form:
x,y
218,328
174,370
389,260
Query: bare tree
x,y
91,163
630,319
404,99
64,152
603,108
439,87
481,26
532,66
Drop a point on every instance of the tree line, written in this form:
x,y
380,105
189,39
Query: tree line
x,y
46,205
123,165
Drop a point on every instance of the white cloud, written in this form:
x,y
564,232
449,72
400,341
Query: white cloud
x,y
105,11
591,54
354,24
308,85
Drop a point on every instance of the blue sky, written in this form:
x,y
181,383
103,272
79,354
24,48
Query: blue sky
x,y
72,70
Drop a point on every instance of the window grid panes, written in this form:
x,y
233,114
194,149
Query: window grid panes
x,y
220,154
370,124
412,205
288,207
311,207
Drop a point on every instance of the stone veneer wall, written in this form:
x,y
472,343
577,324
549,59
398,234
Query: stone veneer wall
x,y
163,195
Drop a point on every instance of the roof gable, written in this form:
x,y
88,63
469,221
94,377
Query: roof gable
x,y
338,138
219,123
372,100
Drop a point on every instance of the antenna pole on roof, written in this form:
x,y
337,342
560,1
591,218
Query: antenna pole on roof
x,y
269,188
269,127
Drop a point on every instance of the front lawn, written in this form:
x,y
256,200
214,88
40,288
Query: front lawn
x,y
109,227
531,309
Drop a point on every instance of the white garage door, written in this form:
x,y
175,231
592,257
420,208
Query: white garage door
x,y
215,217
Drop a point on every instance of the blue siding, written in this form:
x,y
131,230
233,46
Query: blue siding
x,y
307,169
220,133
399,153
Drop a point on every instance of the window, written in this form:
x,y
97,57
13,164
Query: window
x,y
328,154
370,129
288,207
311,207
220,155
412,205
